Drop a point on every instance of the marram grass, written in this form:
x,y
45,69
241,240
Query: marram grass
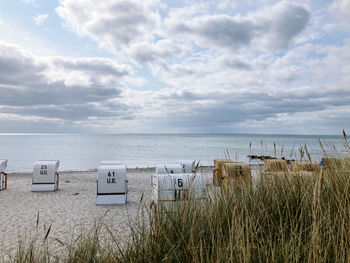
x,y
280,219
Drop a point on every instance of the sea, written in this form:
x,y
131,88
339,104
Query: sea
x,y
83,152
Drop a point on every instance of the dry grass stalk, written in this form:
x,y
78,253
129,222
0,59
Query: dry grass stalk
x,y
305,166
316,211
331,163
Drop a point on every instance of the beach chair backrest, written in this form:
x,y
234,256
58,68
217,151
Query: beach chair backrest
x,y
112,179
44,172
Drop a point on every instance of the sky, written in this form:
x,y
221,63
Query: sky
x,y
152,66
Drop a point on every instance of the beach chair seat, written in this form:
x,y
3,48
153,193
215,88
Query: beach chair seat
x,y
3,175
111,183
45,176
169,190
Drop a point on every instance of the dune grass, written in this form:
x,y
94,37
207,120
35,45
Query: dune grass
x,y
280,219
283,219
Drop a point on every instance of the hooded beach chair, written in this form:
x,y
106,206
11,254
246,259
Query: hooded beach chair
x,y
171,186
111,183
45,176
3,175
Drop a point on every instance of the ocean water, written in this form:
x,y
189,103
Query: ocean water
x,y
84,152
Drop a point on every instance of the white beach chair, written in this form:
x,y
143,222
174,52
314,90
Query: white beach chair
x,y
3,175
169,190
111,183
45,176
188,166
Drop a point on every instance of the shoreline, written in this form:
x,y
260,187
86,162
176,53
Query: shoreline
x,y
132,169
78,171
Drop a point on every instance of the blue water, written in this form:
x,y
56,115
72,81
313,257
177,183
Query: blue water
x,y
84,152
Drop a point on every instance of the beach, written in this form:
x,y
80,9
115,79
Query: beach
x,y
69,210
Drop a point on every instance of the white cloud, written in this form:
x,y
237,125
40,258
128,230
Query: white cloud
x,y
119,25
341,7
40,18
113,24
215,66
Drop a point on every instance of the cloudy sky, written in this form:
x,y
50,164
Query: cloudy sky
x,y
152,66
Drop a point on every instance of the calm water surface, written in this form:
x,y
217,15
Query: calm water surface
x,y
84,152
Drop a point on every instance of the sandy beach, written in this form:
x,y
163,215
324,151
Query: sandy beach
x,y
69,210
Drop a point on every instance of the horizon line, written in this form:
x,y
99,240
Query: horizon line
x,y
149,133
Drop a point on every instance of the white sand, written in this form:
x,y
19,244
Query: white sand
x,y
69,210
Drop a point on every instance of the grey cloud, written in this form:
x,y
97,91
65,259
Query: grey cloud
x,y
276,26
154,52
225,31
92,65
55,93
183,95
68,112
236,64
229,109
18,67
114,24
119,30
33,86
287,21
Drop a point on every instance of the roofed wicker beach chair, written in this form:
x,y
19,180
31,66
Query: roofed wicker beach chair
x,y
235,174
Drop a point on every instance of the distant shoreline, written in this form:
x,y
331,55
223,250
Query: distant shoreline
x,y
67,172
